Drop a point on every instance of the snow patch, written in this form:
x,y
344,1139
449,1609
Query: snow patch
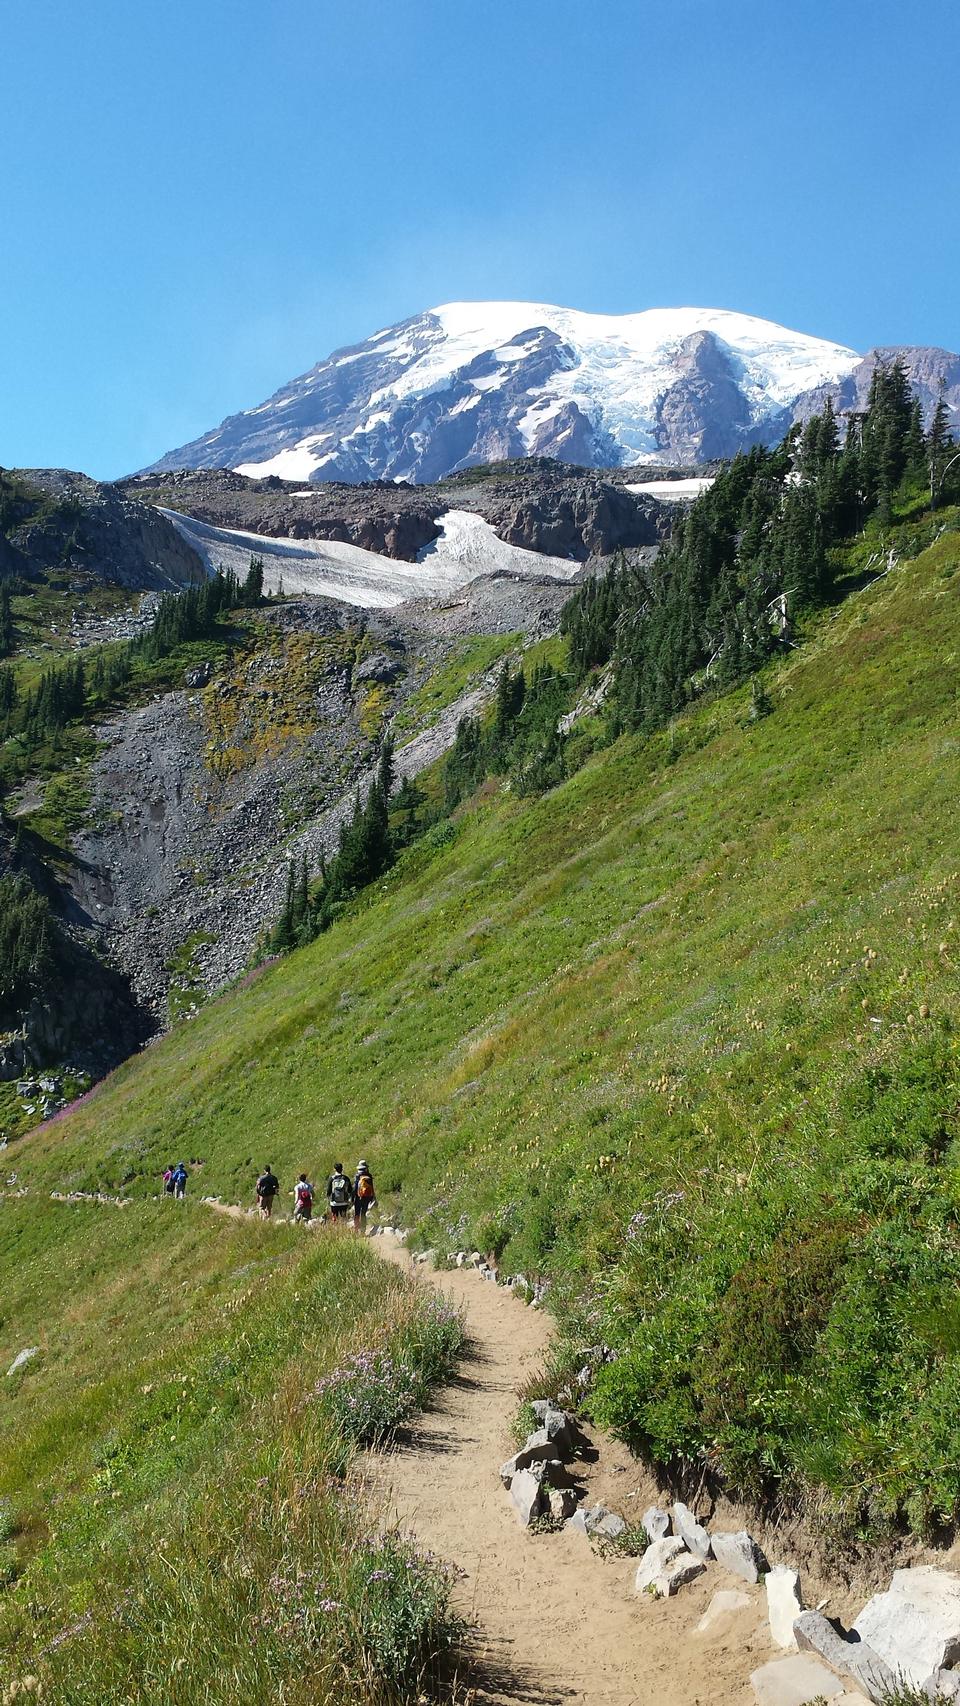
x,y
468,547
672,491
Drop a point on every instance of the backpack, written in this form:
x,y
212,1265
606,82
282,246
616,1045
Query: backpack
x,y
304,1196
364,1188
339,1190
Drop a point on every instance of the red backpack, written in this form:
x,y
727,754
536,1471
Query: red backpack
x,y
364,1191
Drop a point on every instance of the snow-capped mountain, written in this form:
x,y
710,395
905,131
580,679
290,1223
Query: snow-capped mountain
x,y
474,382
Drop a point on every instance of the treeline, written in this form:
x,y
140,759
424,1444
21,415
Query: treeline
x,y
752,552
28,946
368,846
193,613
69,691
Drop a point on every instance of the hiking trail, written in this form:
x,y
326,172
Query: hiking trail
x,y
556,1623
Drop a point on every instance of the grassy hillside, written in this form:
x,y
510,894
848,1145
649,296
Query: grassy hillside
x,y
180,1517
680,1033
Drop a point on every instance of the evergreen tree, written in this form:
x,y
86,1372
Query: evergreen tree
x,y
6,621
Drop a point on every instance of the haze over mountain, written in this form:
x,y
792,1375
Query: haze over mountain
x,y
475,382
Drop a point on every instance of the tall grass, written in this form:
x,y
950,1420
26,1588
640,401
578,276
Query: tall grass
x,y
189,1515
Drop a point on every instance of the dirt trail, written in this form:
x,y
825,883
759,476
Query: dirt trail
x,y
556,1622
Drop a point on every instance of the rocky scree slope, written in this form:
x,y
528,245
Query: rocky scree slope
x,y
475,382
200,797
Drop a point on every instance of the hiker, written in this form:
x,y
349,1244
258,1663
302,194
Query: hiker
x,y
267,1187
168,1181
363,1196
302,1199
179,1177
339,1191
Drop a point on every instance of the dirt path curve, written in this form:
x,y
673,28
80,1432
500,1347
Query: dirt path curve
x,y
557,1623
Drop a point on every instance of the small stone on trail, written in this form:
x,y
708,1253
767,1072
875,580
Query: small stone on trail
x,y
609,1526
527,1496
794,1681
740,1554
691,1532
725,1603
562,1502
536,1449
665,1566
656,1523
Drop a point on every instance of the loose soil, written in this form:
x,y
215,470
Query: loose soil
x,y
555,1621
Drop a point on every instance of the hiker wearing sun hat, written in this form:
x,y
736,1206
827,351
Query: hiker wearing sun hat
x,y
363,1195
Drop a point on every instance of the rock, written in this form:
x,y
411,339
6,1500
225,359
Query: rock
x,y
942,1685
794,1681
684,1569
527,1497
725,1603
378,668
536,1449
740,1554
691,1532
578,1521
198,676
915,1626
656,1560
815,1633
562,1502
609,1526
656,1523
22,1358
784,1604
560,1426
473,1260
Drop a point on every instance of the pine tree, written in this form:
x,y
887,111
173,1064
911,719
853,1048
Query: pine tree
x,y
6,621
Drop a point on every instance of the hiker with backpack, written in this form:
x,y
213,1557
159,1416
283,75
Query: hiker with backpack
x,y
302,1200
339,1192
267,1187
179,1180
363,1196
168,1181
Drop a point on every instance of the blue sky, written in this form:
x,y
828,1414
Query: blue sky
x,y
199,199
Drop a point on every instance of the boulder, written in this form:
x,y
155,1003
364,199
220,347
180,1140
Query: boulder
x,y
794,1681
815,1633
22,1358
740,1554
651,1574
578,1522
527,1497
784,1604
915,1626
693,1534
725,1603
656,1523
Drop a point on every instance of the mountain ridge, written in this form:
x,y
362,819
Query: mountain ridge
x,y
468,383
